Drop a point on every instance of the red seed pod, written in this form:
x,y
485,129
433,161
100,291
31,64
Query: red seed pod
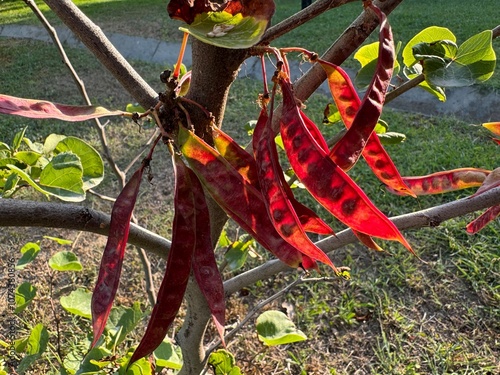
x,y
347,151
174,283
241,201
488,216
445,181
205,268
348,103
279,207
112,257
326,182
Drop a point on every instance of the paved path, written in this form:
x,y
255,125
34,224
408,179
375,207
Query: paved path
x,y
472,103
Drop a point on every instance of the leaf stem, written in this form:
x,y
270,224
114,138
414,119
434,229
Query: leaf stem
x,y
181,56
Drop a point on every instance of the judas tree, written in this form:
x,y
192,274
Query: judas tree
x,y
215,178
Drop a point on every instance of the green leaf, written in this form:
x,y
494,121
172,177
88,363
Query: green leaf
x,y
65,261
78,303
24,295
331,114
428,35
368,57
92,164
381,127
275,328
27,178
126,318
224,240
415,71
18,138
29,252
134,107
62,177
223,363
27,157
237,254
60,241
37,344
226,30
391,138
51,143
473,62
166,356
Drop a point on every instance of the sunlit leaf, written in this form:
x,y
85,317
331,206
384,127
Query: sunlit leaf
x,y
367,56
24,295
223,363
36,346
474,61
77,303
275,328
91,161
237,254
60,241
428,35
29,252
65,261
236,24
43,109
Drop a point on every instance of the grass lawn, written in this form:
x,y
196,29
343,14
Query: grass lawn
x,y
396,315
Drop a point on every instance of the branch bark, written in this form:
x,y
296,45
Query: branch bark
x,y
342,48
429,217
21,213
94,39
299,18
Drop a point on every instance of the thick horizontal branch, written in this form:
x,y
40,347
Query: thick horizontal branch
x,y
430,217
21,213
94,39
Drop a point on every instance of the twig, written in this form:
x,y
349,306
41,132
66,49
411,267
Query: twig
x,y
251,313
95,40
428,217
79,83
299,18
101,133
404,88
262,304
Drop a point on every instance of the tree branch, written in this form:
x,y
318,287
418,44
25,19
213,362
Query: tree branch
x,y
429,217
342,48
95,40
21,213
300,18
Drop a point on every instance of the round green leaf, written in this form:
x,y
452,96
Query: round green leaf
x,y
275,328
29,252
223,363
62,177
429,35
65,261
166,356
78,303
91,161
36,346
24,295
27,157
